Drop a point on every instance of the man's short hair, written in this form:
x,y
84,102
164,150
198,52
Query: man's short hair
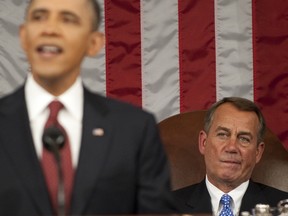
x,y
241,104
97,14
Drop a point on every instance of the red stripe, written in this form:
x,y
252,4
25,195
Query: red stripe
x,y
271,64
197,54
123,50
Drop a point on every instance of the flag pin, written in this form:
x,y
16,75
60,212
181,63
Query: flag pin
x,y
98,132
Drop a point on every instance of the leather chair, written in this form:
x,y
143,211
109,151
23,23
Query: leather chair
x,y
179,134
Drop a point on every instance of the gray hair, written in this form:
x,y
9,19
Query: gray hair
x,y
241,104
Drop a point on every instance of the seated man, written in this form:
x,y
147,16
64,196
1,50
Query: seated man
x,y
232,143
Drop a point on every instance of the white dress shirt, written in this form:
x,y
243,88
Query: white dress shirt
x,y
236,194
70,117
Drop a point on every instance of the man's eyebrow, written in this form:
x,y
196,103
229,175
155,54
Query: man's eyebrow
x,y
69,13
39,10
246,133
222,128
64,12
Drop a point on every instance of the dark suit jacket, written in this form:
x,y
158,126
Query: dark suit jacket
x,y
123,172
196,199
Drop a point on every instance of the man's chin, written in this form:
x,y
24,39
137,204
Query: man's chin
x,y
229,177
46,72
47,78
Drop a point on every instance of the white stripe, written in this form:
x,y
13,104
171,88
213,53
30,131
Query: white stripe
x,y
13,64
233,29
160,58
94,69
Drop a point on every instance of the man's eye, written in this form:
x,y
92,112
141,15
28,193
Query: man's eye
x,y
244,140
37,17
222,135
69,19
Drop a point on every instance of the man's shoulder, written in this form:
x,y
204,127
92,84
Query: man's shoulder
x,y
194,198
269,190
260,193
9,101
191,189
188,188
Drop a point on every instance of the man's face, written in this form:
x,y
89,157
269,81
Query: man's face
x,y
56,36
230,147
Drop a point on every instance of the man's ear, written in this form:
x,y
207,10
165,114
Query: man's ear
x,y
97,41
202,139
22,36
259,151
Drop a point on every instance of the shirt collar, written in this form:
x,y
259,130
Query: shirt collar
x,y
38,98
236,194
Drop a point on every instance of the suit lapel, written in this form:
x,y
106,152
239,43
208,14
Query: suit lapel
x,y
252,195
200,200
18,144
93,152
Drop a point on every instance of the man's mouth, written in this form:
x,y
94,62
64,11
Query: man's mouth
x,y
49,49
231,161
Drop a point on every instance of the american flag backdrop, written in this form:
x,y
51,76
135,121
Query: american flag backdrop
x,y
174,56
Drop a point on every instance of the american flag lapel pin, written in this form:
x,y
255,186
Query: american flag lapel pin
x,y
98,132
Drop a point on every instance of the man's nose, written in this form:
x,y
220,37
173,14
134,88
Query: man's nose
x,y
51,27
231,145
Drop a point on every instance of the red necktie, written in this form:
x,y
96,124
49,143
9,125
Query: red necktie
x,y
49,164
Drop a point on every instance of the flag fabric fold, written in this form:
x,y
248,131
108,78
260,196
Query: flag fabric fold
x,y
177,56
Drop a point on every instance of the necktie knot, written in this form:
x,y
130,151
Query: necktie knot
x,y
54,107
226,202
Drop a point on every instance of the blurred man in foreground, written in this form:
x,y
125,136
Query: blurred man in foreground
x,y
112,158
